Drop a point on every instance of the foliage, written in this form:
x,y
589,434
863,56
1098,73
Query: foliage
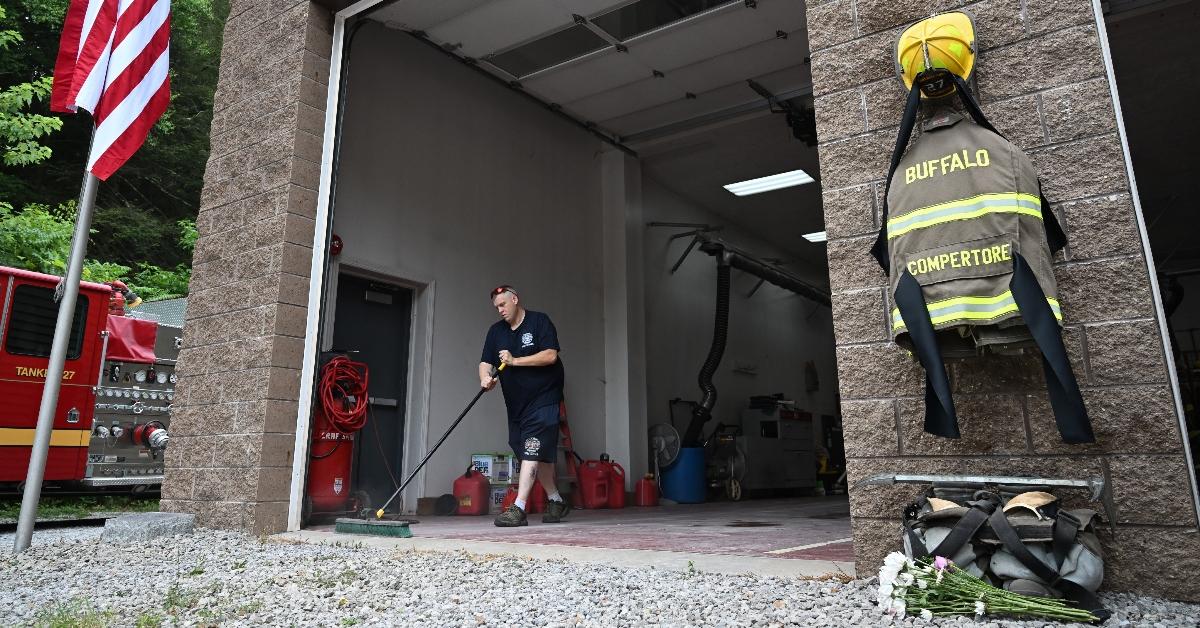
x,y
77,507
152,283
144,220
38,238
163,178
76,613
20,130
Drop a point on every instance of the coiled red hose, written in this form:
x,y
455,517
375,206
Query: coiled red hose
x,y
343,394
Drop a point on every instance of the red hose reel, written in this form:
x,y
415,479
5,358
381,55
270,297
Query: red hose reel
x,y
340,410
343,394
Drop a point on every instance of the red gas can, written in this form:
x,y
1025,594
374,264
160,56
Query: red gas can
x,y
593,483
646,492
471,489
536,503
616,483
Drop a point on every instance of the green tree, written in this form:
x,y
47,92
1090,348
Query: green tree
x,y
20,130
38,238
163,179
145,214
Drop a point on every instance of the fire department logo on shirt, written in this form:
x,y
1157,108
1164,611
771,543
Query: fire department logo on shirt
x,y
526,340
532,446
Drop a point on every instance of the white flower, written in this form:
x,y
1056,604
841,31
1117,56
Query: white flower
x,y
885,593
895,558
905,579
926,615
898,609
888,576
940,573
922,584
980,609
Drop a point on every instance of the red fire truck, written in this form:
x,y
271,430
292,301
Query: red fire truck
x,y
110,426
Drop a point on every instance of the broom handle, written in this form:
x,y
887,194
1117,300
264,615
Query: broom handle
x,y
441,440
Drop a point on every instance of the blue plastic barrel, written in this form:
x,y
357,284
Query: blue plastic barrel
x,y
683,481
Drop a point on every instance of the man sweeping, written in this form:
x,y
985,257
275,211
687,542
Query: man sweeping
x,y
532,381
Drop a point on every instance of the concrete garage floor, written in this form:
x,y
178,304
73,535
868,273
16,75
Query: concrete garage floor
x,y
783,537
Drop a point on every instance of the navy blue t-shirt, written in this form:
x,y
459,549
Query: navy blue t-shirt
x,y
526,388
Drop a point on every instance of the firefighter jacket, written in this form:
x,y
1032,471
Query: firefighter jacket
x,y
967,239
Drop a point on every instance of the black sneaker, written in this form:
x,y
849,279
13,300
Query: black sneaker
x,y
555,511
511,518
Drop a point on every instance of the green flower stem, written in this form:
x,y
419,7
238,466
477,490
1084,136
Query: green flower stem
x,y
959,591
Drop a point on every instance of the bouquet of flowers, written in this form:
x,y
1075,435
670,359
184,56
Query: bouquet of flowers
x,y
939,587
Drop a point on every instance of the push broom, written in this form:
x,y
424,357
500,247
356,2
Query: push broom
x,y
379,527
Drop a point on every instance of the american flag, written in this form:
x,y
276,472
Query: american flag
x,y
112,62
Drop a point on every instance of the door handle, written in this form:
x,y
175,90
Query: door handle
x,y
383,401
73,415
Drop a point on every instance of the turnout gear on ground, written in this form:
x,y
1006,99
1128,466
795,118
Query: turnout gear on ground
x,y
968,240
1029,546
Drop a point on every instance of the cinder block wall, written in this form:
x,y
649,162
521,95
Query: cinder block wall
x,y
232,432
1042,82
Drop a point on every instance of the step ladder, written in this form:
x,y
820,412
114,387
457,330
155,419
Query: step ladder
x,y
567,446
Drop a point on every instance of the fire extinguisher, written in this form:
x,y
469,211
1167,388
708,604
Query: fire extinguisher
x,y
340,411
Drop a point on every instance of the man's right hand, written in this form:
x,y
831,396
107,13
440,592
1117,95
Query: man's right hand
x,y
488,383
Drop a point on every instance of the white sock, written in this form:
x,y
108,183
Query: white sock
x,y
555,497
520,503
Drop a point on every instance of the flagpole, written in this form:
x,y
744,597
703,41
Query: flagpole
x,y
67,296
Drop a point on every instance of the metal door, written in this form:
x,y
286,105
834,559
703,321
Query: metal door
x,y
373,320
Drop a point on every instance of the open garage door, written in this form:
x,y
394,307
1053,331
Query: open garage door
x,y
646,174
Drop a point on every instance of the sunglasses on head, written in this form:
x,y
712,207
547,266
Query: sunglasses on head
x,y
502,289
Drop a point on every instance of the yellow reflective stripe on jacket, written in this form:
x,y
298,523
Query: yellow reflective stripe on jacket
x,y
971,310
965,209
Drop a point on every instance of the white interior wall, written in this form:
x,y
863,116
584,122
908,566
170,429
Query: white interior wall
x,y
775,331
445,179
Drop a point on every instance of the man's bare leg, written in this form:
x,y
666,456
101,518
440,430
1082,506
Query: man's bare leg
x,y
529,474
545,475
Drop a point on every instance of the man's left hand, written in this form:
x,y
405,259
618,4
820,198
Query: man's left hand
x,y
506,357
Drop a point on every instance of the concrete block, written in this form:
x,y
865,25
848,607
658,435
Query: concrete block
x,y
1125,353
989,424
860,316
849,212
1131,419
1104,290
146,526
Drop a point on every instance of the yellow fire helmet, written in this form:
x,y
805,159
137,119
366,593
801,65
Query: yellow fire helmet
x,y
931,48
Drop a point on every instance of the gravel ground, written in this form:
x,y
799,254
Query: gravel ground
x,y
212,577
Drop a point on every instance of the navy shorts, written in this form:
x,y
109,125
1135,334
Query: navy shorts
x,y
535,436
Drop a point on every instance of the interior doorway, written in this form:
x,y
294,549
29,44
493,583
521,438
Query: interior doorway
x,y
1157,70
373,325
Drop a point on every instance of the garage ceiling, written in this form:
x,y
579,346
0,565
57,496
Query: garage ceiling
x,y
688,69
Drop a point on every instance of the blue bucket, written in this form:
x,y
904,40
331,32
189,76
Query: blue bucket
x,y
683,481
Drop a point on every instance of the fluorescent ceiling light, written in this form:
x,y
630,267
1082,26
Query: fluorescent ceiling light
x,y
815,237
773,182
